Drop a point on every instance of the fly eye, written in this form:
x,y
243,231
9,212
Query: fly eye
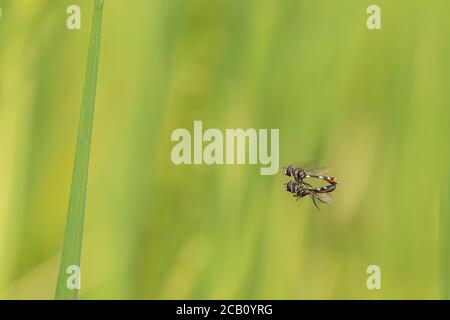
x,y
286,186
288,171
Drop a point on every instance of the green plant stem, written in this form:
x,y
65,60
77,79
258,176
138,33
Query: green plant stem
x,y
444,225
73,236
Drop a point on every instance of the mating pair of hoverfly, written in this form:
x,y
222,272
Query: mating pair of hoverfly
x,y
300,188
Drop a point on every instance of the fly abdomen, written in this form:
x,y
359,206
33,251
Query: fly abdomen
x,y
325,189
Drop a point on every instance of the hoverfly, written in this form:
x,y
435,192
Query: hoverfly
x,y
300,190
300,174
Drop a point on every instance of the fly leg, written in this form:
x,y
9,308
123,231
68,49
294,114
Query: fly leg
x,y
314,201
307,184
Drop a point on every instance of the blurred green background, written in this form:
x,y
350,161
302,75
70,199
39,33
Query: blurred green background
x,y
373,105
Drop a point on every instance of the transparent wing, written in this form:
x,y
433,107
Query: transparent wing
x,y
311,168
322,197
318,171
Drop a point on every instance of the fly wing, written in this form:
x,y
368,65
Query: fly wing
x,y
318,171
322,197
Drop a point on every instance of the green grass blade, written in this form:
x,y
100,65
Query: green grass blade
x,y
444,225
73,237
